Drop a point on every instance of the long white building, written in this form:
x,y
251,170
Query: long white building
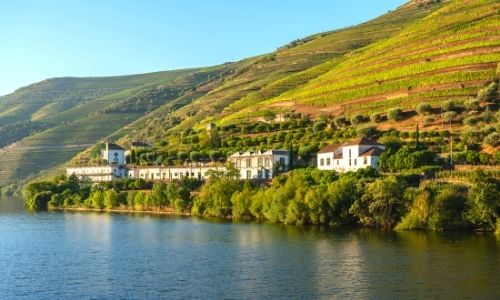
x,y
252,165
358,154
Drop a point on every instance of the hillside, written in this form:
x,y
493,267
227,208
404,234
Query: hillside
x,y
451,53
48,123
422,52
260,78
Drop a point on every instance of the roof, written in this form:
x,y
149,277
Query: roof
x,y
374,151
141,144
363,141
330,148
113,146
258,152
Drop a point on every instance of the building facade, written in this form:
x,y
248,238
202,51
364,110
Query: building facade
x,y
113,154
260,164
358,154
251,164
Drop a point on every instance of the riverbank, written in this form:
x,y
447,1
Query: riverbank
x,y
305,196
165,211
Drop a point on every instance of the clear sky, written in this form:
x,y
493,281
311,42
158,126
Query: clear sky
x,y
40,39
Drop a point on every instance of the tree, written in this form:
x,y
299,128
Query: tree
x,y
376,118
158,195
489,93
395,114
483,201
319,126
195,155
381,204
241,202
111,198
424,109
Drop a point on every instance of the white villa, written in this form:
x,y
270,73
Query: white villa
x,y
260,164
252,165
358,154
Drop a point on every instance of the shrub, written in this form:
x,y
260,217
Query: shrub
x,y
471,121
489,93
358,119
472,105
376,118
319,126
428,121
493,139
341,121
449,116
395,114
424,109
449,105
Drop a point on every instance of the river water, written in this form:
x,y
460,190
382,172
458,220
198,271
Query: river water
x,y
130,256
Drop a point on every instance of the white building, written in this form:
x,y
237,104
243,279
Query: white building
x,y
113,154
260,164
98,173
352,156
171,173
252,165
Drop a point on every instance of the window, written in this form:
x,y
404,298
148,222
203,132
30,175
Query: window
x,y
266,162
266,174
249,174
259,162
248,162
350,164
322,162
259,174
338,162
365,160
355,161
282,161
328,161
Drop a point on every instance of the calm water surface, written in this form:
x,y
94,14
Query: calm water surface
x,y
117,256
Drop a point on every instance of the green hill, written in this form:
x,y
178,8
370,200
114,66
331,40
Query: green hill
x,y
422,52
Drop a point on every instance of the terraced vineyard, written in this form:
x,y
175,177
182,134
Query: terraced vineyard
x,y
72,124
257,79
450,54
424,51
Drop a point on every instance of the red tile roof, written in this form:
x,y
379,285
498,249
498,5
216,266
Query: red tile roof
x,y
374,151
363,141
330,148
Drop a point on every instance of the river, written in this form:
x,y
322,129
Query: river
x,y
79,255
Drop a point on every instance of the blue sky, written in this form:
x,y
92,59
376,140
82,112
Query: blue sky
x,y
43,39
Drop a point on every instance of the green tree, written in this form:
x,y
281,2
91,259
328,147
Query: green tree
x,y
111,199
483,201
381,204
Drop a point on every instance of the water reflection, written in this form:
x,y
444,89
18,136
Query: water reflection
x,y
99,255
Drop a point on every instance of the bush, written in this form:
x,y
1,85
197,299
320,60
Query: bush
x,y
358,119
395,114
471,121
449,116
449,105
428,121
319,126
489,93
493,139
341,122
472,105
424,109
376,118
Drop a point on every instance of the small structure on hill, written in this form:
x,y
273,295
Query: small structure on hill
x,y
113,154
358,154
